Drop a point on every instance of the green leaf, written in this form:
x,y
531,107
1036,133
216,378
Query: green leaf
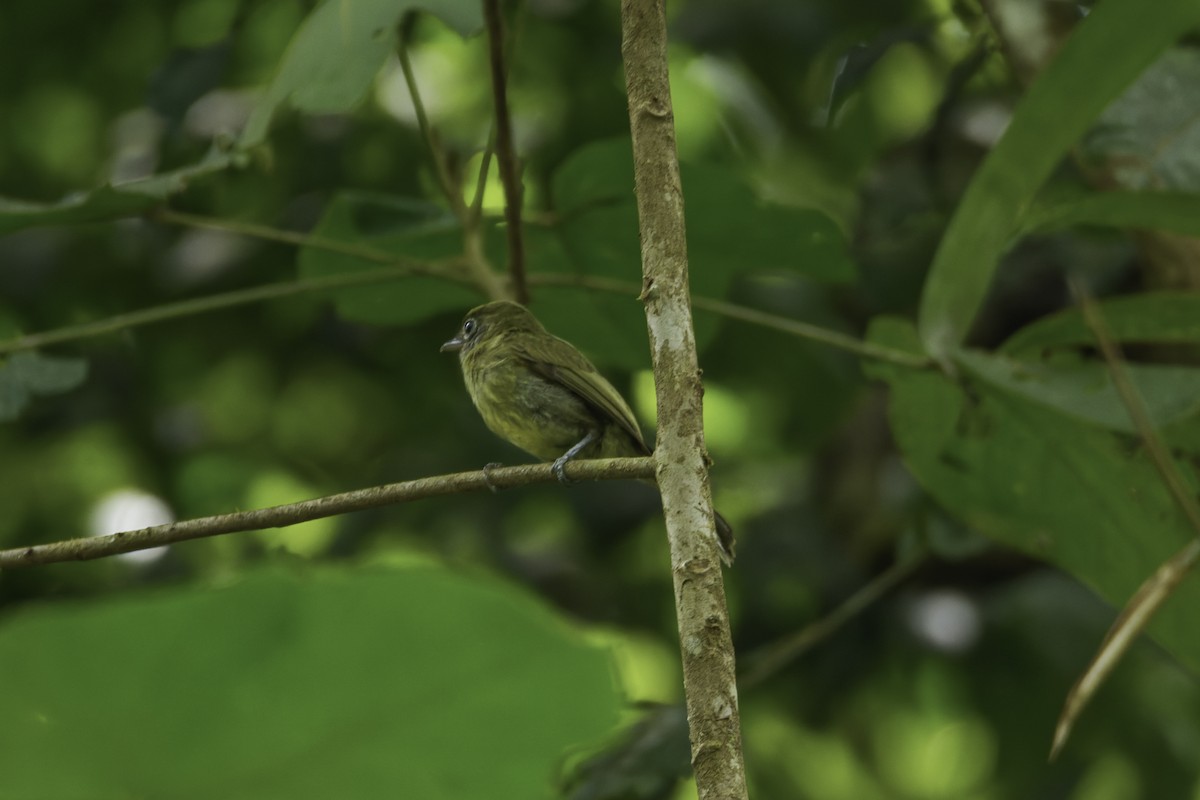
x,y
334,683
1176,212
1045,483
27,373
730,231
1108,50
409,229
609,327
1151,317
597,173
111,201
1085,390
335,55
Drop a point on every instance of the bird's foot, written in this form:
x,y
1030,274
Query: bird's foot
x,y
559,469
576,449
488,467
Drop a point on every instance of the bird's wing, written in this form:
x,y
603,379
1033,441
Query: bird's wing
x,y
559,361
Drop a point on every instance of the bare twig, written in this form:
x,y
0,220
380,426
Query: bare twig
x,y
321,507
505,151
706,648
475,210
481,269
1124,631
1155,590
445,180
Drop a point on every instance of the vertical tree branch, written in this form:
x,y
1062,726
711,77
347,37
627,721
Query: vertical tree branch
x,y
681,460
505,153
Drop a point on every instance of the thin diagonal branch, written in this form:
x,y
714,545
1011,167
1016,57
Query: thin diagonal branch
x,y
505,152
771,658
321,507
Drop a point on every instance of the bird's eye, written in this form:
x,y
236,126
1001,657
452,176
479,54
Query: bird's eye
x,y
469,328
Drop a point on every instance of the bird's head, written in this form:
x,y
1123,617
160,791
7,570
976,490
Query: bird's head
x,y
489,321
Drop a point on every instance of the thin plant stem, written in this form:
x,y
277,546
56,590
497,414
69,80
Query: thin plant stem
x,y
505,151
763,319
770,659
473,245
203,305
445,180
492,478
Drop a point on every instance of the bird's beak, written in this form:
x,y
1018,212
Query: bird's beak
x,y
452,346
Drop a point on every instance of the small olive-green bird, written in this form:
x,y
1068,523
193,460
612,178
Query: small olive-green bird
x,y
538,392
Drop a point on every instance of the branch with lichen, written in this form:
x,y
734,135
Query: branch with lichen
x,y
709,682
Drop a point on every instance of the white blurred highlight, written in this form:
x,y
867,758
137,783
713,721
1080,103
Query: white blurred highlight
x,y
947,620
129,510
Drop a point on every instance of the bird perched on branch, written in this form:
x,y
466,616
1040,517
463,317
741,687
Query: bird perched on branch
x,y
538,392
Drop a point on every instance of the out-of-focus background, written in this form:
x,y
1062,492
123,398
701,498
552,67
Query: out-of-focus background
x,y
522,644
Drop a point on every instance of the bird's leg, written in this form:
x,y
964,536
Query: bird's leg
x,y
562,460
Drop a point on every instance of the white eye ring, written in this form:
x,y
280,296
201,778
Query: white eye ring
x,y
469,327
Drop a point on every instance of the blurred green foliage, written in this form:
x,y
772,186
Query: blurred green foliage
x,y
827,147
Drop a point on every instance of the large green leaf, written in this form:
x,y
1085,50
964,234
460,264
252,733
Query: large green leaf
x,y
1046,483
1176,212
1084,390
1108,50
333,58
1150,317
333,683
410,230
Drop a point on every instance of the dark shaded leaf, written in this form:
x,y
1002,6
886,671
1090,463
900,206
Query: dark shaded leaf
x,y
410,229
111,201
27,373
